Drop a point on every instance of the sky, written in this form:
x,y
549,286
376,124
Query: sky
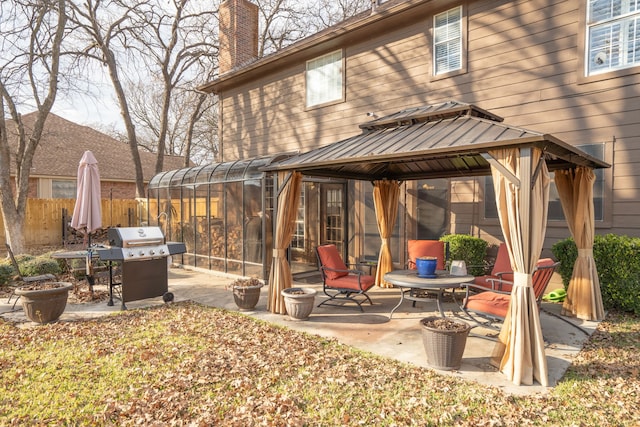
x,y
92,104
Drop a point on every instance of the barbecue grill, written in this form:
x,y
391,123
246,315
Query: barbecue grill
x,y
142,254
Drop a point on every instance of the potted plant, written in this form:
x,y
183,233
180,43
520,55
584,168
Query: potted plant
x,y
246,292
44,302
426,266
299,302
444,341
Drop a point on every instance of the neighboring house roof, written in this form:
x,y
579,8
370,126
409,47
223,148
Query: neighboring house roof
x,y
390,14
64,142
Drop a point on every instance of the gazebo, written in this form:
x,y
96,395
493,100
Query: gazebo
x,y
457,139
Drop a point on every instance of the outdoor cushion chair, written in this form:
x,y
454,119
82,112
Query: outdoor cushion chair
x,y
501,275
26,279
493,305
340,283
433,248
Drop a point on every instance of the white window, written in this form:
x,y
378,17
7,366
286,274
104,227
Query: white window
x,y
324,79
447,41
613,35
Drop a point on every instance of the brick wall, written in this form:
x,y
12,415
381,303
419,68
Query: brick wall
x,y
238,34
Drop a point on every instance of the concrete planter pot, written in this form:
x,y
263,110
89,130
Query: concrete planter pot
x,y
299,302
44,302
444,341
246,297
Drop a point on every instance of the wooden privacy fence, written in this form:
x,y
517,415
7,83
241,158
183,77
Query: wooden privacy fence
x,y
44,225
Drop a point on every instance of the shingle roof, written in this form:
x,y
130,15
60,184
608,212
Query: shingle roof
x,y
63,143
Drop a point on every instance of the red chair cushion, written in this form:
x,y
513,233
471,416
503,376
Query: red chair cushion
x,y
490,303
503,263
330,258
418,248
351,282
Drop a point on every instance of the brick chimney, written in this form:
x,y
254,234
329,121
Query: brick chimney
x,y
238,34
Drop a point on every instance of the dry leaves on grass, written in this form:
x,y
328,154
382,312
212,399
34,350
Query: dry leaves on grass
x,y
186,364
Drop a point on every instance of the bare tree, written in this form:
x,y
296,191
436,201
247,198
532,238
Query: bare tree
x,y
105,38
32,36
322,14
177,42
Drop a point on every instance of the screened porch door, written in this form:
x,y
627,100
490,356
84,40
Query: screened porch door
x,y
321,219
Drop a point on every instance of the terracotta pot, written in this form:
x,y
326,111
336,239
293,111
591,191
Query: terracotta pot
x,y
444,347
299,302
44,305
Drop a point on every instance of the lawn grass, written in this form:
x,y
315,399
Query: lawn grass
x,y
188,364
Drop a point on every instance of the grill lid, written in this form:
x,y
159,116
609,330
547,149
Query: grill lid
x,y
131,237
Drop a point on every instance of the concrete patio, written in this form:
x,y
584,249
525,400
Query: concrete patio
x,y
399,338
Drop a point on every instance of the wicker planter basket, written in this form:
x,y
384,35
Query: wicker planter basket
x,y
444,347
44,303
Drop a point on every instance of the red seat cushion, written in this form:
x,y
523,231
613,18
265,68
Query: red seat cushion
x,y
351,282
418,248
330,258
488,302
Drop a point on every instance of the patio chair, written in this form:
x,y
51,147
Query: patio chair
x,y
493,305
501,275
340,283
26,279
434,248
420,248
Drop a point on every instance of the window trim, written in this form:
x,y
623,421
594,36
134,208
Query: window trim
x,y
582,52
342,98
464,44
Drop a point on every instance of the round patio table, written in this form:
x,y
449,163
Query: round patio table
x,y
408,281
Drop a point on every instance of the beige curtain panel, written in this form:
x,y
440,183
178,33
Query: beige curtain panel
x,y
522,209
575,188
385,200
280,277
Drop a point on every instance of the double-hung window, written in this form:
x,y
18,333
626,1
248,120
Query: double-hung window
x,y
324,79
613,35
447,41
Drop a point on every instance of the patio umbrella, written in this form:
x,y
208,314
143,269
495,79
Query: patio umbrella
x,y
87,213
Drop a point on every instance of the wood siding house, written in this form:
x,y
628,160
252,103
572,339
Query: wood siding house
x,y
566,68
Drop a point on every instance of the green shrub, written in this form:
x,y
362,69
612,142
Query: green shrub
x,y
6,273
468,248
40,265
618,263
29,266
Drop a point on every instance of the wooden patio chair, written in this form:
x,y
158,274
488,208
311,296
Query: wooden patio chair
x,y
501,275
493,305
340,283
26,279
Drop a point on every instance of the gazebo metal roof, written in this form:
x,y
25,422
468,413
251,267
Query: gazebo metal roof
x,y
434,141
